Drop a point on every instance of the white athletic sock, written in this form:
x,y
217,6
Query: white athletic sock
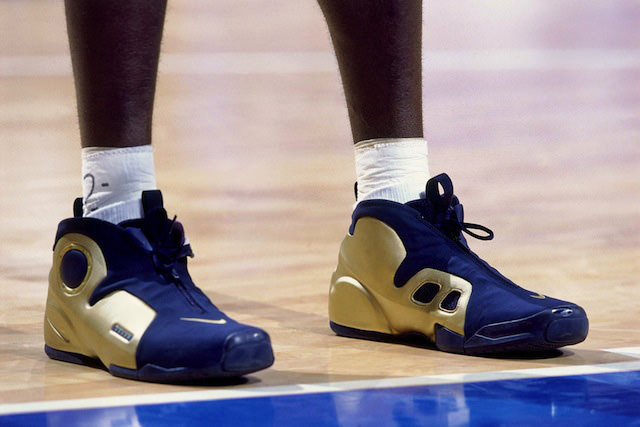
x,y
113,181
392,169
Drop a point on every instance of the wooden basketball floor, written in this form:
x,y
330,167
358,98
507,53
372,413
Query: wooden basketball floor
x,y
533,108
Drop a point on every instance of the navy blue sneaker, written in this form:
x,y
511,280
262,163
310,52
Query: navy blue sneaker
x,y
120,297
407,269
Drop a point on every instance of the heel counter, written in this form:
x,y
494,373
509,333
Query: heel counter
x,y
351,305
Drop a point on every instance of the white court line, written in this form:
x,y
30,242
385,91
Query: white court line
x,y
323,62
296,389
627,351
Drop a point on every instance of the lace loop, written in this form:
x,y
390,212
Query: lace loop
x,y
466,226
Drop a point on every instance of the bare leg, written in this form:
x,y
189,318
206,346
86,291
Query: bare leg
x,y
378,46
115,46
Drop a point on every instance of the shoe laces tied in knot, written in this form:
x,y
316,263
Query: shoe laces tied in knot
x,y
447,213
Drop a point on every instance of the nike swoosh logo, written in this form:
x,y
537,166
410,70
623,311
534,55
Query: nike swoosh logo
x,y
537,296
195,319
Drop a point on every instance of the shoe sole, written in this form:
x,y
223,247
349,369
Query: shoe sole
x,y
237,361
546,330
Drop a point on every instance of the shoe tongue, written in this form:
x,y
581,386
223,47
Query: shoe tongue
x,y
156,223
155,227
152,210
154,217
152,202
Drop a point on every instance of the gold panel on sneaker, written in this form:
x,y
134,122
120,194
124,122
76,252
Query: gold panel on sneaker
x,y
114,324
372,256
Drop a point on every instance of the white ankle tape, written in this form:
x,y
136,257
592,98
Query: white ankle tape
x,y
113,181
392,168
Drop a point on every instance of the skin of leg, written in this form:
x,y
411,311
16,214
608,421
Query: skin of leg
x,y
115,48
378,46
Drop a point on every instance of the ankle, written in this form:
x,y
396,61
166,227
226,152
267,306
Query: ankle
x,y
392,169
113,181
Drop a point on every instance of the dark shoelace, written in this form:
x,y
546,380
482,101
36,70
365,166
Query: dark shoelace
x,y
451,221
446,212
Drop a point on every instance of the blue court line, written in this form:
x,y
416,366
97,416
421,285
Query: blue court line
x,y
581,400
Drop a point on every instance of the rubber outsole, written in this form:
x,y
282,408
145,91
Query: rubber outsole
x,y
240,359
546,330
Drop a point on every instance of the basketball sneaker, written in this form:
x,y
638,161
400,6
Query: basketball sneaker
x,y
120,297
406,269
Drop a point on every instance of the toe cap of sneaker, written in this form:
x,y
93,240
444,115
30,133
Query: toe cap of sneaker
x,y
247,351
231,346
567,325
